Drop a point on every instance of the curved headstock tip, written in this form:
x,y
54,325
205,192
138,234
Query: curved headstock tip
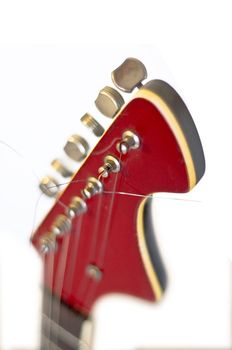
x,y
178,117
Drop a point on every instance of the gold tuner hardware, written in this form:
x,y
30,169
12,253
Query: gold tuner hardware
x,y
62,225
111,164
129,75
49,186
109,102
76,207
48,243
61,168
129,141
76,148
92,124
93,187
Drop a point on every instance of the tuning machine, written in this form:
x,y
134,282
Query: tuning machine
x,y
109,102
49,186
76,207
76,148
129,75
61,226
59,166
111,165
91,123
94,186
48,243
129,141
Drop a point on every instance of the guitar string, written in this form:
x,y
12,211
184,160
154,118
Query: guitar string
x,y
75,257
92,249
58,282
104,150
99,206
79,220
28,165
95,282
102,252
59,277
92,290
106,192
107,227
87,281
132,194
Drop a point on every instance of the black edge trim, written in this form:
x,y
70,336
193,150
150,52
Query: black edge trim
x,y
152,245
183,116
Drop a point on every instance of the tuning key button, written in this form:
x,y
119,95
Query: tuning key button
x,y
109,102
49,186
129,75
76,207
111,164
76,148
93,187
92,124
129,141
61,168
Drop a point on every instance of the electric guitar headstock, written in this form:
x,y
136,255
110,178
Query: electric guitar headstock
x,y
98,236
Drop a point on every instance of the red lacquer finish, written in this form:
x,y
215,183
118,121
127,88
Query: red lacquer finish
x,y
106,235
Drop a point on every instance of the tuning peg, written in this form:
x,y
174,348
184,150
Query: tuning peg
x,y
93,187
109,102
76,148
58,165
92,124
111,165
129,141
48,243
129,75
61,225
49,186
76,207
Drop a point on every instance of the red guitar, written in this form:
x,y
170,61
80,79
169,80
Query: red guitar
x,y
98,237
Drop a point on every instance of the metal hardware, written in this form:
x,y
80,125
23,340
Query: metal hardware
x,y
76,207
93,187
48,243
109,102
129,141
49,186
94,272
92,124
76,148
62,225
61,168
111,164
129,75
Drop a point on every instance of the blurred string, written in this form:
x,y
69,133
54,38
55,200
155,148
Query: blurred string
x,y
41,195
129,193
20,155
66,183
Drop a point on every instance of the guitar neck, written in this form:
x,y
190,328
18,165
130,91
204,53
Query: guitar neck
x,y
62,327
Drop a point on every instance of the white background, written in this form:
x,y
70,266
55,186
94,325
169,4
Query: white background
x,y
54,58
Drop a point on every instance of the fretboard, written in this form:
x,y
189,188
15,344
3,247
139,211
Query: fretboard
x,y
62,327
